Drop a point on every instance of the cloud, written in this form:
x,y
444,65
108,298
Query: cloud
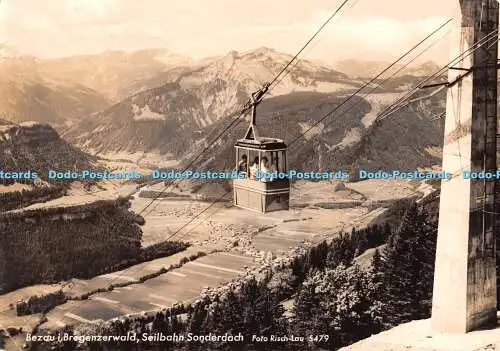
x,y
85,11
379,32
344,36
68,27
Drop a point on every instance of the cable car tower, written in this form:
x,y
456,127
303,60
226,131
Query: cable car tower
x,y
465,280
261,160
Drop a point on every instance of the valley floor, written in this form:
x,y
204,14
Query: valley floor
x,y
234,240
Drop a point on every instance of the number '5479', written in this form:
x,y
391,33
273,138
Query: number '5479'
x,y
318,338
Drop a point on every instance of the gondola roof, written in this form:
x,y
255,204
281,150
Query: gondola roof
x,y
262,144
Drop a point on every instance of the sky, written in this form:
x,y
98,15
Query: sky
x,y
371,29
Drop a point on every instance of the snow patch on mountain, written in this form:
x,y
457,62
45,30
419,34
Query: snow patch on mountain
x,y
145,114
309,131
378,103
101,128
352,137
287,87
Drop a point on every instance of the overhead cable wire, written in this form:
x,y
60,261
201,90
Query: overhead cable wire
x,y
394,74
242,110
370,82
396,104
238,118
285,72
367,84
296,61
309,41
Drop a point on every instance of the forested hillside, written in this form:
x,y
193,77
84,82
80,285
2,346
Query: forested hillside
x,y
334,300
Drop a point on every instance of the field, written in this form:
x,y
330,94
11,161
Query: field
x,y
234,241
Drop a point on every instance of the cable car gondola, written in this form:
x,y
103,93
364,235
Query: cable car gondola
x,y
261,159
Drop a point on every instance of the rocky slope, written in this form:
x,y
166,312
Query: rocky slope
x,y
408,140
29,93
225,81
38,147
179,118
197,97
190,102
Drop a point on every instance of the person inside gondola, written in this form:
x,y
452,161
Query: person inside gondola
x,y
265,169
242,165
264,165
254,168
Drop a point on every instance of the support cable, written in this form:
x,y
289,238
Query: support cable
x,y
247,106
238,119
370,82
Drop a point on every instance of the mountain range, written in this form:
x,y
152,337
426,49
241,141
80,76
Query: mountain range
x,y
110,73
163,118
368,69
29,94
60,91
157,102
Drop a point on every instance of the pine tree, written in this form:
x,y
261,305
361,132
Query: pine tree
x,y
299,268
376,262
341,251
282,284
176,325
249,299
227,318
262,313
233,320
386,232
407,266
362,240
196,321
306,310
336,302
376,292
193,326
158,322
317,256
353,317
425,253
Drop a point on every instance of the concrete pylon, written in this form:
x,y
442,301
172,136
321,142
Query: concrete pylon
x,y
465,296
